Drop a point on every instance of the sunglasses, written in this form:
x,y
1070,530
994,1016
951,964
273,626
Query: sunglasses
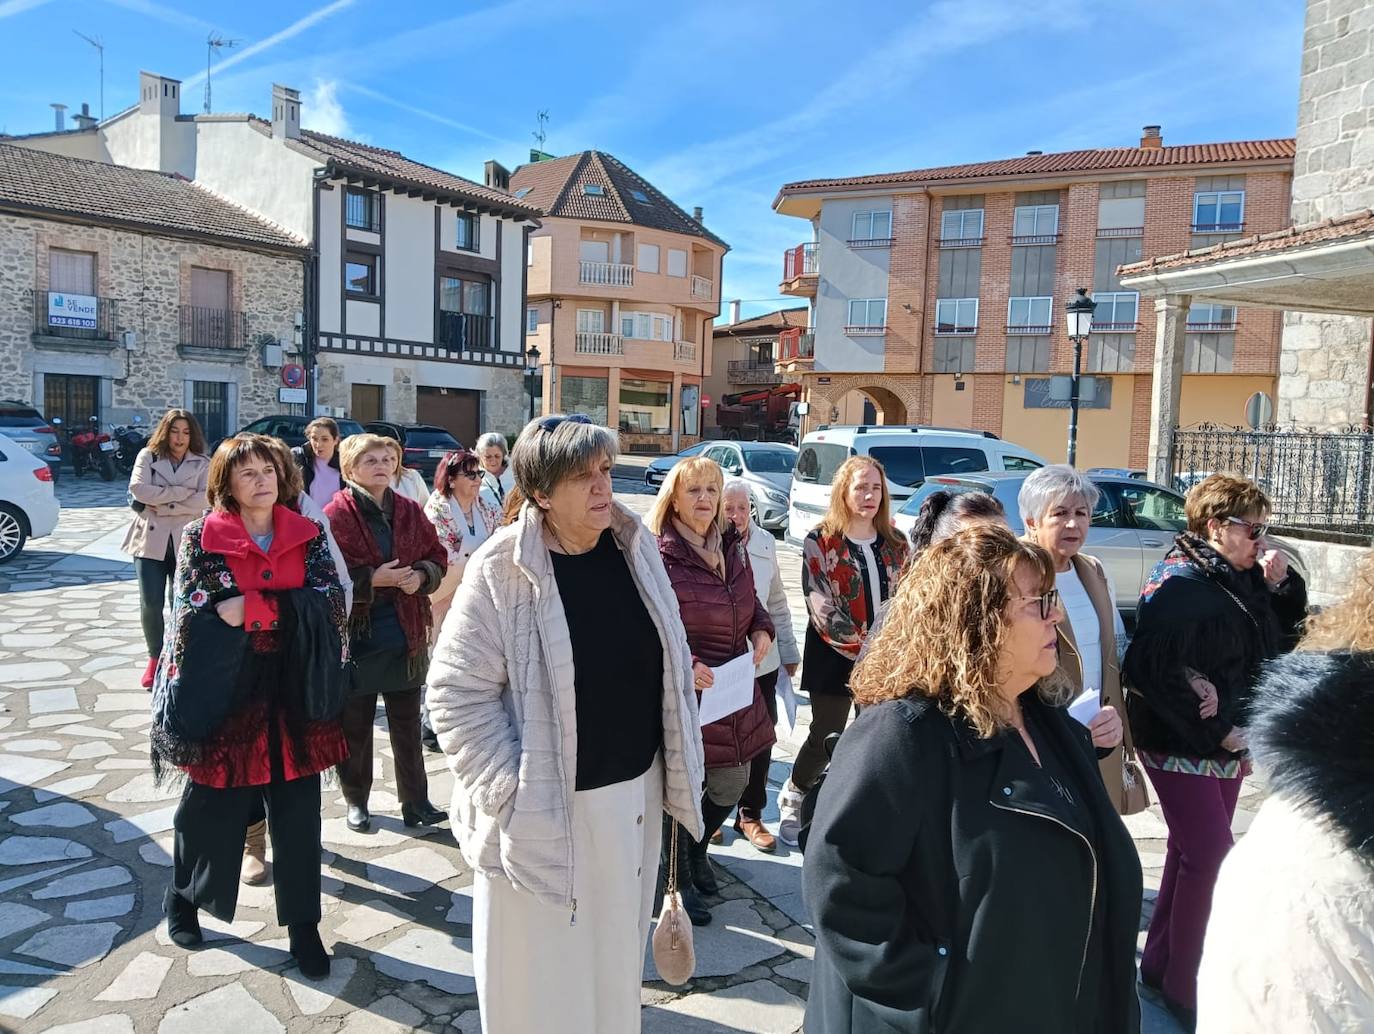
x,y
1254,530
1049,603
550,423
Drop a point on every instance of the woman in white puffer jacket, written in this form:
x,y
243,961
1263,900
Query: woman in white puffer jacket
x,y
1290,942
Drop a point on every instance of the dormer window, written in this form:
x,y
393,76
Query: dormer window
x,y
593,189
523,191
641,197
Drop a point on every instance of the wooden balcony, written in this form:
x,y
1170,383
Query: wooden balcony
x,y
606,274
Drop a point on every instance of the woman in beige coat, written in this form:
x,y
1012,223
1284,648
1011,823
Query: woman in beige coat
x,y
168,490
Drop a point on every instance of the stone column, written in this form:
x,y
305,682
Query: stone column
x,y
675,410
1166,389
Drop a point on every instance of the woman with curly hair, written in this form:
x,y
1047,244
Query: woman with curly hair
x,y
1302,959
965,868
850,564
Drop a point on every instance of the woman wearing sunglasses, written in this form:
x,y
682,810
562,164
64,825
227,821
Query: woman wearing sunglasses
x,y
462,519
965,868
1212,611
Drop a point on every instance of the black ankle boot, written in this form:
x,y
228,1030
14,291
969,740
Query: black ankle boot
x,y
703,876
183,921
308,950
421,813
695,908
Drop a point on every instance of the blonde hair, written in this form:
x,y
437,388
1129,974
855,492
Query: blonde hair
x,y
943,634
689,470
1349,623
352,448
837,518
1220,496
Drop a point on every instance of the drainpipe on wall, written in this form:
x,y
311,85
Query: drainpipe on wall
x,y
309,293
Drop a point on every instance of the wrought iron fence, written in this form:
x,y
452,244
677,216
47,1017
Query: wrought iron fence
x,y
1315,480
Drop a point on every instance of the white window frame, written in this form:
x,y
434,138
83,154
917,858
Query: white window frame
x,y
961,216
585,321
646,326
531,321
1030,303
1038,214
673,254
865,226
960,306
1113,301
1216,201
642,254
869,307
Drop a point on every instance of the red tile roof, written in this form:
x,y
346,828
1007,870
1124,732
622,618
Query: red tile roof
x,y
781,319
555,187
1294,238
1104,159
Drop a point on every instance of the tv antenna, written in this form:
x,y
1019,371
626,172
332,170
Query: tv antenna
x,y
213,44
100,48
541,134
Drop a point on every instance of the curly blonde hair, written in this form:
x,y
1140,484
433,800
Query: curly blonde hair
x,y
837,517
943,634
1348,624
691,470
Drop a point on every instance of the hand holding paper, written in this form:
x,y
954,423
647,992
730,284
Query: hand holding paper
x,y
1084,707
732,690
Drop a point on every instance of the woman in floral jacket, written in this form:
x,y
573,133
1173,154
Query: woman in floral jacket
x,y
463,520
850,564
246,642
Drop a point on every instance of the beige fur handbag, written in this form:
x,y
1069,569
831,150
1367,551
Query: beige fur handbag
x,y
673,953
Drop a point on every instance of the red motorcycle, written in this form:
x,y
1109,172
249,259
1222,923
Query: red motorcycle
x,y
93,449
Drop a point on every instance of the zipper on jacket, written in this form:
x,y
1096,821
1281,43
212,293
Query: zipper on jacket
x,y
1092,899
572,921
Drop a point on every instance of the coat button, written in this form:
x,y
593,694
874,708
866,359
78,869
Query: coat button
x,y
942,951
257,625
274,624
639,821
1006,791
267,576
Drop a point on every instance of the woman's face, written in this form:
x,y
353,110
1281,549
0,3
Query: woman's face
x,y
735,506
493,459
372,470
697,502
580,504
322,443
253,483
179,437
865,492
1063,528
1030,647
464,486
1233,540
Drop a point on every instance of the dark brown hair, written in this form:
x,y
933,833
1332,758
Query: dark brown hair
x,y
158,442
325,422
234,451
455,463
290,481
1220,496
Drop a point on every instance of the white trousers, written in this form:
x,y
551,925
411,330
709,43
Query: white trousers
x,y
537,970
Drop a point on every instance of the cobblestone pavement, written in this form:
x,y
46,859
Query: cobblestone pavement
x,y
85,842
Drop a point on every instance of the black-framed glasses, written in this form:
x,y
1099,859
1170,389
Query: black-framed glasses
x,y
1253,529
550,423
1049,603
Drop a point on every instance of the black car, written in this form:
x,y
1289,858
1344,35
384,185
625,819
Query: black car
x,y
291,429
422,445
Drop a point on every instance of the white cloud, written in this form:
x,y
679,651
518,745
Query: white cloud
x,y
322,112
291,31
10,7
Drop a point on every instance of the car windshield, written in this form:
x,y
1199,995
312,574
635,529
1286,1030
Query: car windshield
x,y
770,461
431,438
347,427
14,420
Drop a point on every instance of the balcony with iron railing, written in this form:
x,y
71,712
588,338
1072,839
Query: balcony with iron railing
x,y
1026,329
1209,327
1206,228
466,331
606,274
796,344
208,327
65,316
753,371
1028,239
800,269
587,343
1115,328
1104,232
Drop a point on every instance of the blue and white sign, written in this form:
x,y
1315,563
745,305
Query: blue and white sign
x,y
72,310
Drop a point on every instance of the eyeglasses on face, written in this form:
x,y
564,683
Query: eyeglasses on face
x,y
1049,603
550,423
1253,529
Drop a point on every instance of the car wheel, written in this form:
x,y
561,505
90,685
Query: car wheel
x,y
754,513
13,532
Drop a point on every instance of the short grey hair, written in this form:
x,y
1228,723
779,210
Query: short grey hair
x,y
541,459
1054,484
491,440
736,485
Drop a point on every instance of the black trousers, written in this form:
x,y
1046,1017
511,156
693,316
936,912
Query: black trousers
x,y
403,723
755,797
208,849
154,580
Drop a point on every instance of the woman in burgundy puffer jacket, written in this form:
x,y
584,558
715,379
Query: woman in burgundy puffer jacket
x,y
709,568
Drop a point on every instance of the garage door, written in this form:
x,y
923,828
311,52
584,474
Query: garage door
x,y
457,410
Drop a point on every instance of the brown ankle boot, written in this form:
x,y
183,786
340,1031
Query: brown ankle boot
x,y
254,870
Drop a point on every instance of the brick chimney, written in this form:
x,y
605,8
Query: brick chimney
x,y
734,311
696,213
1150,139
286,113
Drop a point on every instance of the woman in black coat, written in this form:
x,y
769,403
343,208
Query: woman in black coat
x,y
965,868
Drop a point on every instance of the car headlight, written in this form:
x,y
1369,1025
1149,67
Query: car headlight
x,y
776,498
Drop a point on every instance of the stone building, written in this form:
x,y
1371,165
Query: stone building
x,y
125,292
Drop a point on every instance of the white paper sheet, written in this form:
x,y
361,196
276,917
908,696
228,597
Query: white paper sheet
x,y
787,696
732,690
1084,707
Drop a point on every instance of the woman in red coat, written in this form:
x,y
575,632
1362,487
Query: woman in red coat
x,y
709,568
249,635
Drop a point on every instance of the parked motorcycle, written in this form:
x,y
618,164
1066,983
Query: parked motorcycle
x,y
129,440
92,449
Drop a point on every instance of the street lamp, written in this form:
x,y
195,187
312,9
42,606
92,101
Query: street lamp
x,y
1078,315
531,371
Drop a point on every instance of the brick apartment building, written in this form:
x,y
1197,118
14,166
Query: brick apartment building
x,y
938,294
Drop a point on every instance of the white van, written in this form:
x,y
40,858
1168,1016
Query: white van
x,y
908,454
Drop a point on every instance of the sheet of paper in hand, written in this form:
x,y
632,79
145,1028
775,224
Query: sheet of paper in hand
x,y
1084,707
732,690
787,696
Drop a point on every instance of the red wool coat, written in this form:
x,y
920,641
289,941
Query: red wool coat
x,y
719,616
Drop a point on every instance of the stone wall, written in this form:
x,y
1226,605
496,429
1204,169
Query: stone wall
x,y
149,278
506,404
1324,361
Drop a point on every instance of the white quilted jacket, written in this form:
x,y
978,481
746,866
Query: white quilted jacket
x,y
501,699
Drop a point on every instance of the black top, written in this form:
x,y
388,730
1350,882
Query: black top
x,y
618,679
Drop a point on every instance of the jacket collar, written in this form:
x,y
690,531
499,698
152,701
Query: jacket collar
x,y
192,462
223,532
532,555
672,544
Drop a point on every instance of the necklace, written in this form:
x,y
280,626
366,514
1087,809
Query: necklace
x,y
553,533
469,520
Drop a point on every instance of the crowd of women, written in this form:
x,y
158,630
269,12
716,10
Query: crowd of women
x,y
966,866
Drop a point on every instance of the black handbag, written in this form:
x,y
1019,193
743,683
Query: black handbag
x,y
193,700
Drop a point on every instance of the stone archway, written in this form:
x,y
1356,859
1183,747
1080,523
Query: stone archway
x,y
894,397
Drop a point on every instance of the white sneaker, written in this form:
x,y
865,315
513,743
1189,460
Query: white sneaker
x,y
789,813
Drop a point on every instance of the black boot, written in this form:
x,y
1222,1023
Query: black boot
x,y
692,904
183,922
713,816
308,950
359,819
421,813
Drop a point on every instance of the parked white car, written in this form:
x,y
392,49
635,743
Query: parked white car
x,y
28,503
908,454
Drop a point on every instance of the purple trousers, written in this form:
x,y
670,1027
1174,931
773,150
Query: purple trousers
x,y
1198,810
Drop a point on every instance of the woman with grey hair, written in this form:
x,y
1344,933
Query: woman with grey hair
x,y
497,477
562,692
1056,504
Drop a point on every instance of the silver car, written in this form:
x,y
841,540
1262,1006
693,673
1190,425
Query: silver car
x,y
27,428
766,467
1133,524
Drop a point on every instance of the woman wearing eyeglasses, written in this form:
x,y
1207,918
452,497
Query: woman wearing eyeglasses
x,y
1212,611
462,519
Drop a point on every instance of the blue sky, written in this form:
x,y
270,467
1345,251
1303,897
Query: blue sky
x,y
718,103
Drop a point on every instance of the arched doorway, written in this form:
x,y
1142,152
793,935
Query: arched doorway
x,y
867,405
